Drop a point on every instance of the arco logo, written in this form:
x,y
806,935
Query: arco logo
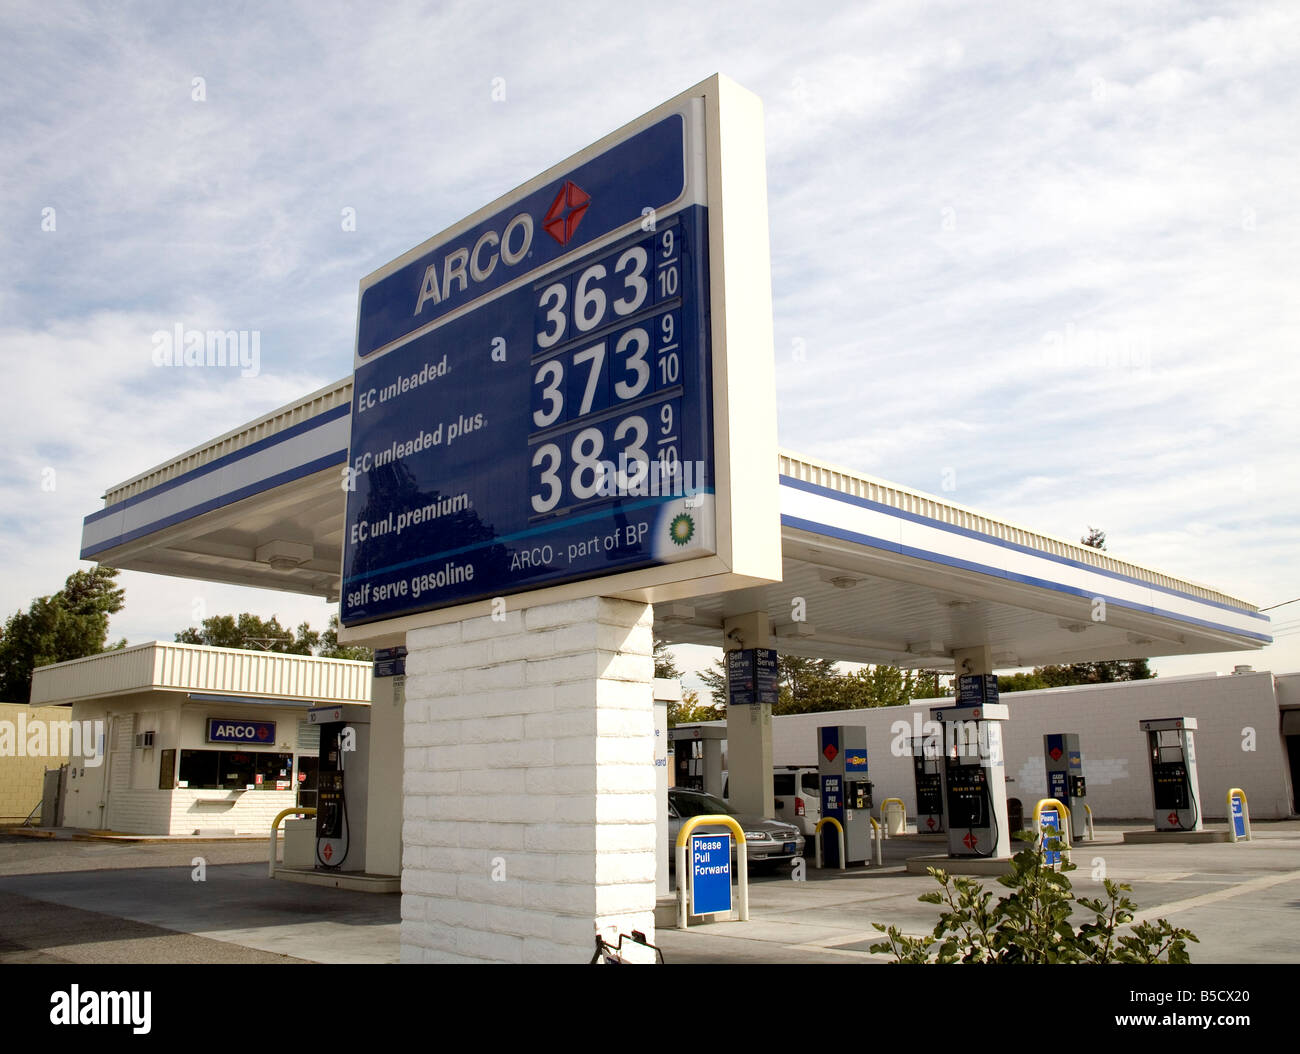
x,y
235,730
566,212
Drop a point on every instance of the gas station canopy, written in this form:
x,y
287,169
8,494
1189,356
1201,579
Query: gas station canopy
x,y
873,571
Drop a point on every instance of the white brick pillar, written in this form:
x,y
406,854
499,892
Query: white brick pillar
x,y
529,787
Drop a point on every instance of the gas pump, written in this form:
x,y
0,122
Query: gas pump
x,y
1065,780
974,778
697,757
343,777
845,791
1175,790
927,767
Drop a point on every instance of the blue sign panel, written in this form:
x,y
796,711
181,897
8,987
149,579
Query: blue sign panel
x,y
1056,786
240,730
740,677
1050,824
833,797
559,432
390,662
645,171
1238,817
829,744
977,689
752,676
855,761
767,676
710,873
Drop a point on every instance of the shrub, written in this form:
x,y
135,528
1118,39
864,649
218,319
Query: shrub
x,y
1033,924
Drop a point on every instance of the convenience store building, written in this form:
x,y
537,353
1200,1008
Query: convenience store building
x,y
192,739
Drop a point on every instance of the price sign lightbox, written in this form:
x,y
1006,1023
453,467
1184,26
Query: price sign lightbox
x,y
545,404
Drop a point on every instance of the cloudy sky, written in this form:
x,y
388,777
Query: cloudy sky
x,y
1036,259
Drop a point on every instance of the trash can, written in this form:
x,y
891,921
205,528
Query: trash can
x,y
1015,815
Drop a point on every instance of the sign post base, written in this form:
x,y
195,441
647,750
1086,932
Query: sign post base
x,y
529,789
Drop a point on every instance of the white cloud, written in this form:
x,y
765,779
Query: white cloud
x,y
1049,250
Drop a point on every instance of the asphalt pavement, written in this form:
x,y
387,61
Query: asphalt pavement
x,y
168,902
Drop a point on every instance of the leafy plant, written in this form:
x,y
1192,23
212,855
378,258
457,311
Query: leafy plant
x,y
1034,923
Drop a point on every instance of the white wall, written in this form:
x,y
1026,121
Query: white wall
x,y
250,813
529,795
1106,719
384,798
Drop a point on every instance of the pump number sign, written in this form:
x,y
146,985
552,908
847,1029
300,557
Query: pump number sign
x,y
533,397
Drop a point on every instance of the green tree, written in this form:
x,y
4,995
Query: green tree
x,y
807,685
811,686
330,648
1092,673
1022,682
871,686
927,685
690,710
887,685
715,680
251,633
69,624
665,664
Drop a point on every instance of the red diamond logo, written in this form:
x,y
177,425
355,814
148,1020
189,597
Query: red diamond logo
x,y
970,841
327,852
566,212
830,751
1173,818
930,823
1056,753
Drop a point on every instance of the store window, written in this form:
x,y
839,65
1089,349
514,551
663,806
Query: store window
x,y
235,770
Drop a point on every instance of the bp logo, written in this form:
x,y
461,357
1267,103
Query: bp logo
x,y
682,529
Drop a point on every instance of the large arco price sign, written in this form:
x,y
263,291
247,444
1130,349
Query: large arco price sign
x,y
541,394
